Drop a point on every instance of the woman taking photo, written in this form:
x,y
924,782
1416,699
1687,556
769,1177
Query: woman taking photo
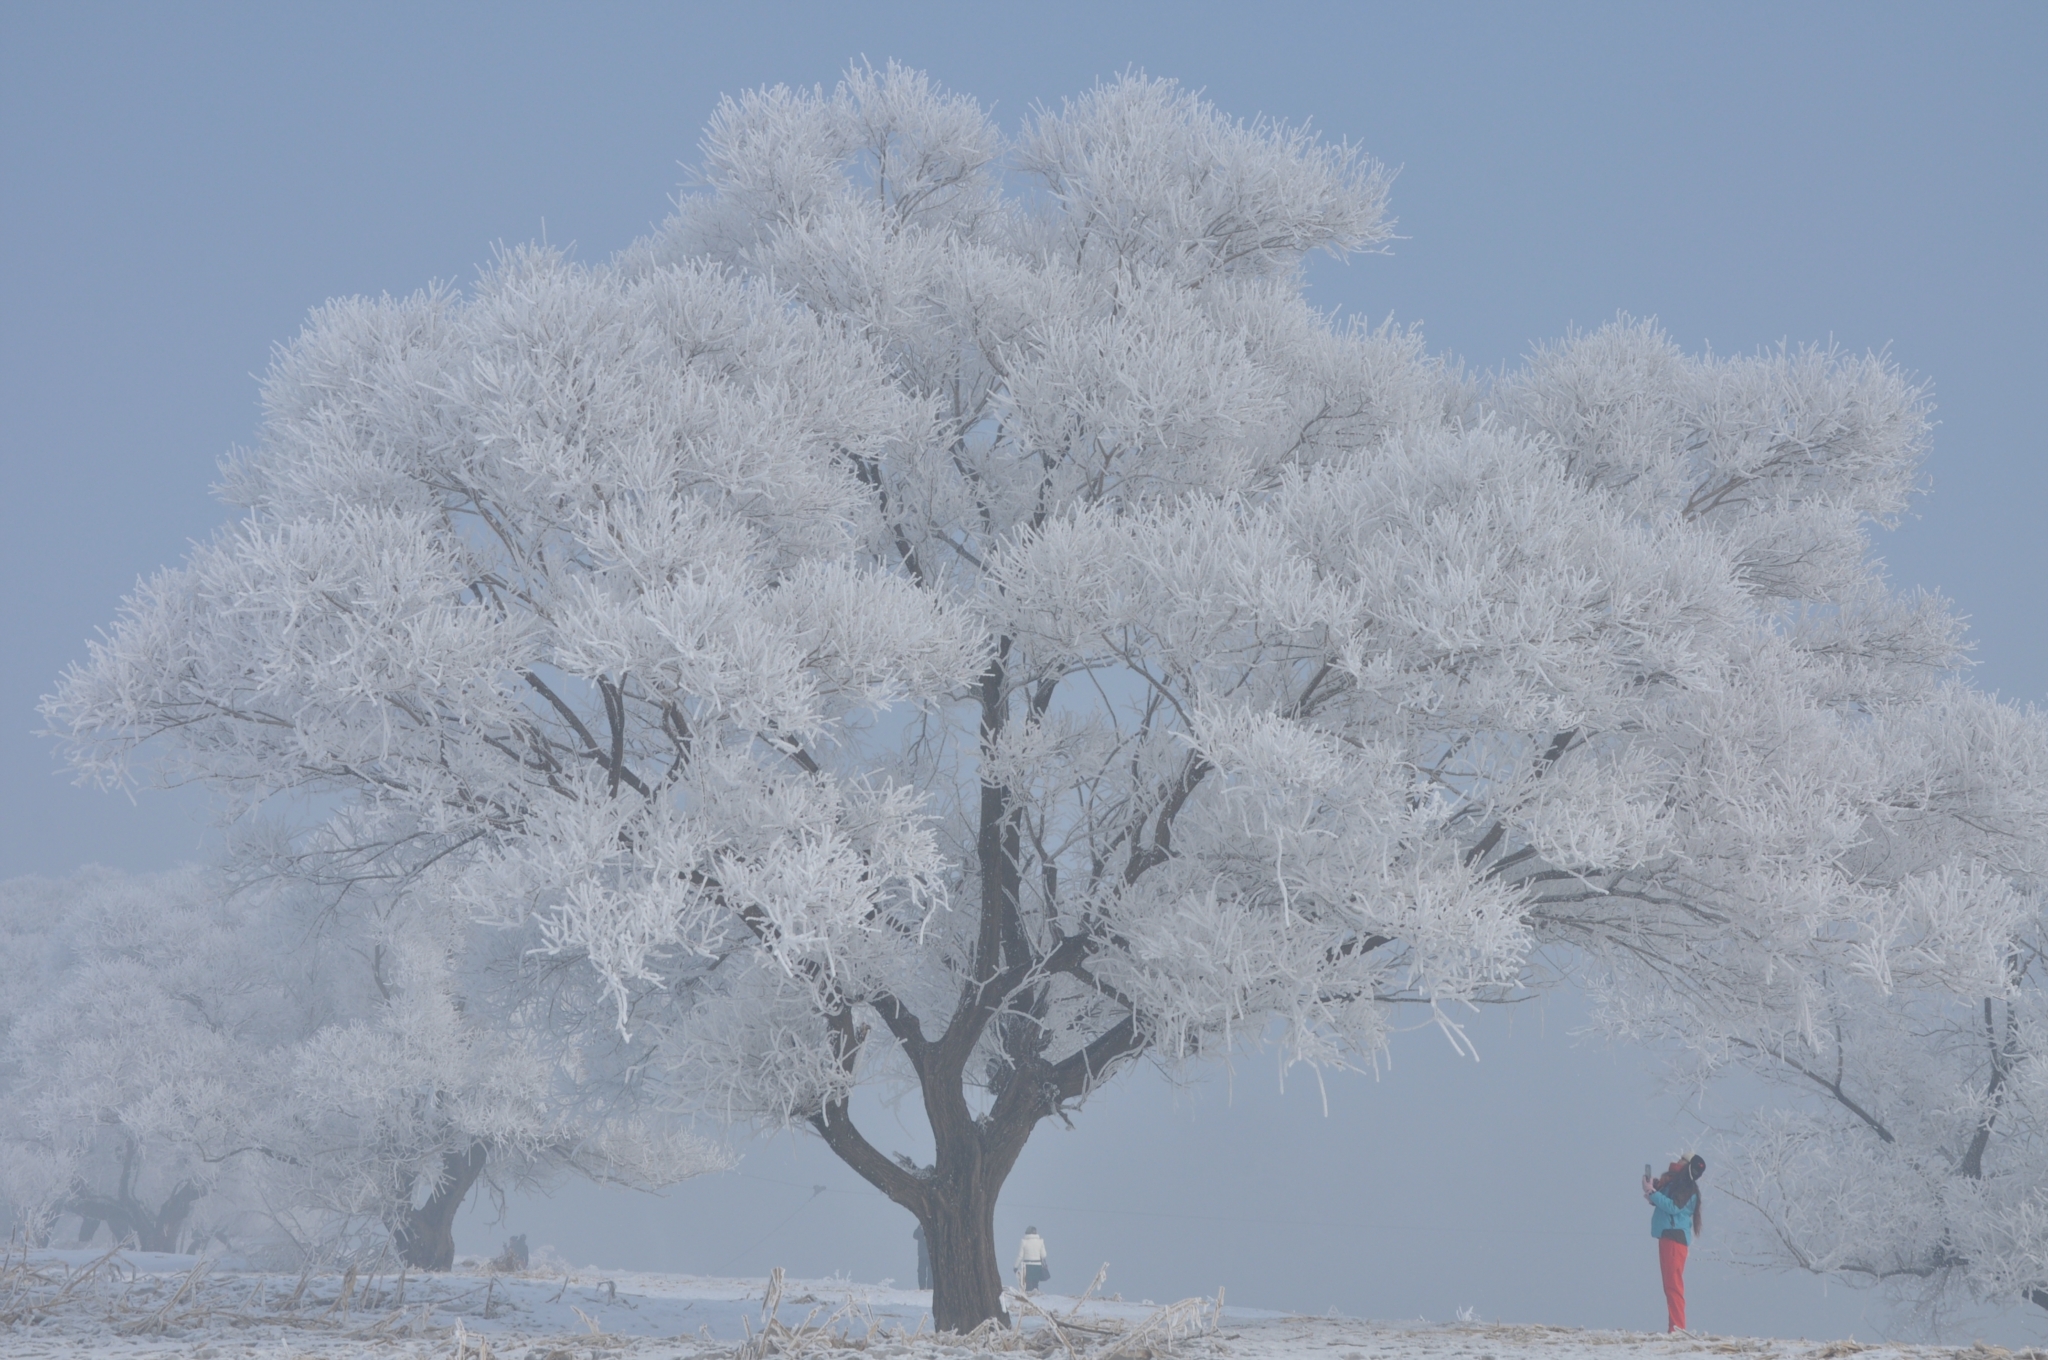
x,y
1675,1203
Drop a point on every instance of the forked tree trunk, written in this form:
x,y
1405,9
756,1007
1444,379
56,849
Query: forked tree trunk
x,y
954,1199
168,1227
128,1217
425,1236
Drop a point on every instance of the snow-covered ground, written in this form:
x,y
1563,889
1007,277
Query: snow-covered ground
x,y
152,1306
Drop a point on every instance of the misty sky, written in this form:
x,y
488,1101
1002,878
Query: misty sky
x,y
178,185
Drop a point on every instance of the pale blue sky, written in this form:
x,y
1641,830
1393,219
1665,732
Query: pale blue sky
x,y
179,184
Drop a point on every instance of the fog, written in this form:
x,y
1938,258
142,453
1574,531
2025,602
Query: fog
x,y
184,185
1506,1186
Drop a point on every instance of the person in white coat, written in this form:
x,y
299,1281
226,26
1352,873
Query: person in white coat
x,y
1032,1270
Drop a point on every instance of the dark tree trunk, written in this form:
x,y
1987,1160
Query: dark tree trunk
x,y
425,1236
967,1282
127,1216
169,1222
954,1199
1007,993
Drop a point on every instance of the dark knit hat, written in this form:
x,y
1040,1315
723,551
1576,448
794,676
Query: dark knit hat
x,y
1697,1166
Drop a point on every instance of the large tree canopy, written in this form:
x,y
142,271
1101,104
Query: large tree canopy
x,y
947,608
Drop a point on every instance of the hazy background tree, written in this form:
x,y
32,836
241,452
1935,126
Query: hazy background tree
x,y
463,1064
149,1023
191,1061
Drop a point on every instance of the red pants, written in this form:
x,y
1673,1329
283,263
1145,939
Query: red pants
x,y
1671,1261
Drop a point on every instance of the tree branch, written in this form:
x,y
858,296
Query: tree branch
x,y
1833,1088
591,749
835,1125
1192,772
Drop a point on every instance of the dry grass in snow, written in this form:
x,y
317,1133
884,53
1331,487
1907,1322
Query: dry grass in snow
x,y
148,1306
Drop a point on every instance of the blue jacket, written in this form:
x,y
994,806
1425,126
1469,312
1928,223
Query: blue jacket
x,y
1668,1215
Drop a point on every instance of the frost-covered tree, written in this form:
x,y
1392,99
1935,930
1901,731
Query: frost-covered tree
x,y
454,1068
148,1023
1901,1011
1918,1159
947,609
186,1061
1912,1150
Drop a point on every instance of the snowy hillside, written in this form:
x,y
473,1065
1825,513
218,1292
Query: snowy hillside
x,y
153,1306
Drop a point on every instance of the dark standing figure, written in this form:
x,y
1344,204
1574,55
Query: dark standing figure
x,y
924,1258
1675,1203
514,1257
